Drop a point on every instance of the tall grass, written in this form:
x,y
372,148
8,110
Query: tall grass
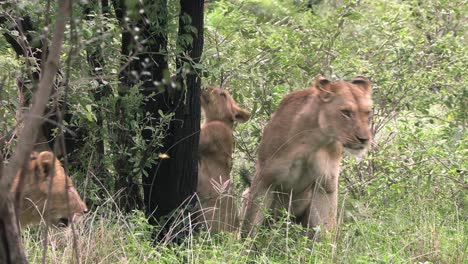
x,y
408,209
414,231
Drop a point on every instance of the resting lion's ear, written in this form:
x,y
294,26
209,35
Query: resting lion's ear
x,y
363,83
45,161
324,87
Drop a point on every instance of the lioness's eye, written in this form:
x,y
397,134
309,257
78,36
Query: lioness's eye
x,y
346,113
223,94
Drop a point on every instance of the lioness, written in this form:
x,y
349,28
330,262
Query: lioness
x,y
35,194
301,148
216,145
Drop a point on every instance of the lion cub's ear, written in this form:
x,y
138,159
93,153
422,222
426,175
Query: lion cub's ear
x,y
241,115
363,83
324,87
45,161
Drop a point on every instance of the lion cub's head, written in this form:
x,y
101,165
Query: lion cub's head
x,y
346,112
218,105
35,194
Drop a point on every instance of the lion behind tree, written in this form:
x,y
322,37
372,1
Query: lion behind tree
x,y
215,187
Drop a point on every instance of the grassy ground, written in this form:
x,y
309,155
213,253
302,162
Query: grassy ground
x,y
414,231
410,208
404,203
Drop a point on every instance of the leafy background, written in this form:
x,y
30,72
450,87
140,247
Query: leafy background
x,y
405,202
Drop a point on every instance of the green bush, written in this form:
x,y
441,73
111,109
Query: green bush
x,y
402,203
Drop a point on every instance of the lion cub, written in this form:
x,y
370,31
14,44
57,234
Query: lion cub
x,y
216,146
35,194
301,148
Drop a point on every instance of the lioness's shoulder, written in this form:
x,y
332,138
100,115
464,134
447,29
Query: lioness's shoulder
x,y
296,98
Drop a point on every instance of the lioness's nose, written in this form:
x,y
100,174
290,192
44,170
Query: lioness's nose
x,y
84,208
363,140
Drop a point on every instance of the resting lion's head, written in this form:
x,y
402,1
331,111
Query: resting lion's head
x,y
346,112
34,192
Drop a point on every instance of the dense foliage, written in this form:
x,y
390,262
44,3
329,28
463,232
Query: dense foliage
x,y
405,202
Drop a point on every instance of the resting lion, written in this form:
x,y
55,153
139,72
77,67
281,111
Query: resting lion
x,y
34,193
301,148
216,145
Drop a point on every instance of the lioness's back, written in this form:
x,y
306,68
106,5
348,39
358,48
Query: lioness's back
x,y
276,133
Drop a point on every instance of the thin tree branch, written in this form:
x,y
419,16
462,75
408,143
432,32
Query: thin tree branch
x,y
32,124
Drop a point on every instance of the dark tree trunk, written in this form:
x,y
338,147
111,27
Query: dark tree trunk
x,y
11,249
26,85
157,96
143,56
27,82
97,63
172,181
122,136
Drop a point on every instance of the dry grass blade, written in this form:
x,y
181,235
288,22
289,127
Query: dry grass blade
x,y
220,186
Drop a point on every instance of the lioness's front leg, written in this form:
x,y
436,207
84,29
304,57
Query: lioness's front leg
x,y
260,194
323,208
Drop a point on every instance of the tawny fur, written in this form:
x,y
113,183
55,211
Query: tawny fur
x,y
215,187
34,192
301,148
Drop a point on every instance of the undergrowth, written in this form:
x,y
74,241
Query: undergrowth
x,y
415,231
410,208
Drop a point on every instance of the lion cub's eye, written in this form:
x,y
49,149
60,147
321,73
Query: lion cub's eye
x,y
223,94
347,113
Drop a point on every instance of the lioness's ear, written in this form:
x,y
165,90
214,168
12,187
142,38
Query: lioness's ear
x,y
323,85
363,83
45,161
241,115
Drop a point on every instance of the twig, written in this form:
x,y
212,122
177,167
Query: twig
x,y
45,43
60,114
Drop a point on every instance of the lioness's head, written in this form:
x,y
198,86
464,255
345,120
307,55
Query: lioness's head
x,y
346,112
42,168
218,104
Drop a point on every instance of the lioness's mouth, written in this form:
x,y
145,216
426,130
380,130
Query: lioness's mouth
x,y
348,146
